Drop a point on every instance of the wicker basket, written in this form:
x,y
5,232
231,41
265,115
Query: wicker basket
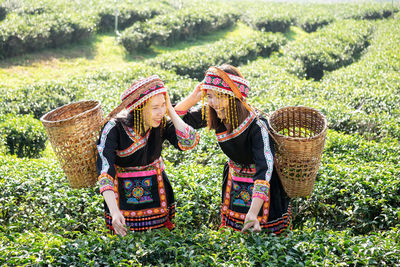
x,y
73,130
299,134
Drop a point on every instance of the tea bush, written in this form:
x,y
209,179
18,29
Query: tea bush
x,y
180,25
23,135
309,16
196,60
372,202
330,48
269,18
24,34
351,219
362,97
36,195
129,14
369,88
312,21
37,99
164,248
3,11
369,11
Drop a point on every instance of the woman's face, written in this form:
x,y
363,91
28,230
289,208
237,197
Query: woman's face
x,y
154,111
219,104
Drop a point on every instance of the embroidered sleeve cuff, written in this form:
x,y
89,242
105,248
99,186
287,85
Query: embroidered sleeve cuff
x,y
187,139
105,182
181,113
261,189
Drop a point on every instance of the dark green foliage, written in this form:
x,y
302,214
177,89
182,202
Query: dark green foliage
x,y
66,225
180,25
268,22
42,199
332,47
36,99
351,219
372,201
205,248
3,11
196,60
128,14
24,136
369,11
24,34
269,17
311,22
360,98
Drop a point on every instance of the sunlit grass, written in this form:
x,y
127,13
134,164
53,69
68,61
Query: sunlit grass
x,y
102,52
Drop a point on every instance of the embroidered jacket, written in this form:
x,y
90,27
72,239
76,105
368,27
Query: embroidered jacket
x,y
120,145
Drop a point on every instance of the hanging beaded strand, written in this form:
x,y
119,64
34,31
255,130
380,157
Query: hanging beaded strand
x,y
138,119
149,118
227,109
164,118
219,98
234,118
203,106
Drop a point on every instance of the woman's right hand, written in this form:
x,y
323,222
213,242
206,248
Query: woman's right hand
x,y
190,100
118,223
196,94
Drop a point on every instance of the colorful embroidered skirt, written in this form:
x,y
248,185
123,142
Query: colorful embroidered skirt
x,y
145,197
275,215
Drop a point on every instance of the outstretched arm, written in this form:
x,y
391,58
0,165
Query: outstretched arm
x,y
251,216
179,124
190,100
118,220
182,135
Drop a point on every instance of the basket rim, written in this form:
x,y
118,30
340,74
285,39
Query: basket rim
x,y
43,118
299,138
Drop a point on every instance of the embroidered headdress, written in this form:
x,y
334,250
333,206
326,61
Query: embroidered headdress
x,y
213,81
144,89
228,87
136,96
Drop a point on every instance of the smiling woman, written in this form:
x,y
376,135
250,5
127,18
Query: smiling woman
x,y
138,195
252,194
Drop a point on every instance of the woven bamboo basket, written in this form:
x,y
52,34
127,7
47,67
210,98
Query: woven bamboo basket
x,y
299,134
73,130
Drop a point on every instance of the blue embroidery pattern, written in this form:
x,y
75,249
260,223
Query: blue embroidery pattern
x,y
138,191
242,194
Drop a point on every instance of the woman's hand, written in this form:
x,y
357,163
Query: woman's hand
x,y
170,108
191,99
118,223
251,221
196,94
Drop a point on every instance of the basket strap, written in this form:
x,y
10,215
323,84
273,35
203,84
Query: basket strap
x,y
237,93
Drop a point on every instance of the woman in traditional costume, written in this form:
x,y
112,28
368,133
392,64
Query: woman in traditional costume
x,y
252,194
135,187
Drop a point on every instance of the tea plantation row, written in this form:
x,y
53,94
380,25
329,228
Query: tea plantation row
x,y
27,26
352,217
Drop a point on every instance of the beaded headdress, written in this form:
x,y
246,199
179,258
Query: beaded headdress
x,y
146,88
138,94
212,81
222,83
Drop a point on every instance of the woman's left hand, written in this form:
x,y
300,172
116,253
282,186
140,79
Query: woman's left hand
x,y
168,103
251,221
